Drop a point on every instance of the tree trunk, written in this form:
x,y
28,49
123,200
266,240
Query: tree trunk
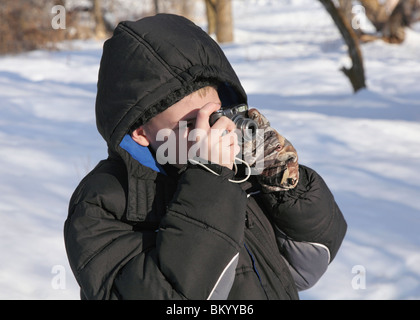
x,y
377,13
356,73
346,7
403,15
224,23
393,30
187,9
391,17
219,17
100,30
156,5
211,16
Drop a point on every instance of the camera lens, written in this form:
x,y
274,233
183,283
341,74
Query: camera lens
x,y
248,127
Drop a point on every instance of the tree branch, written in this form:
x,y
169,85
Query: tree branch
x,y
356,73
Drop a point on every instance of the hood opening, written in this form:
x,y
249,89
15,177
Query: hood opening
x,y
149,64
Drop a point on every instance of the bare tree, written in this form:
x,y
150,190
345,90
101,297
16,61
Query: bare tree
x,y
356,73
211,16
27,25
390,18
100,29
156,5
220,21
346,7
187,9
183,7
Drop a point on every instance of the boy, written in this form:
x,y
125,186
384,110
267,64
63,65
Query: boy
x,y
139,228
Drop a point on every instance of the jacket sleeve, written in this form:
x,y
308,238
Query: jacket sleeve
x,y
193,254
309,226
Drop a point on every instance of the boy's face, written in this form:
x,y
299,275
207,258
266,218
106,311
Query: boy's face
x,y
176,122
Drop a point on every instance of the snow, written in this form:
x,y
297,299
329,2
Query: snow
x,y
288,54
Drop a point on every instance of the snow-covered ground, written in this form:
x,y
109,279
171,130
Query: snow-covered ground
x,y
288,55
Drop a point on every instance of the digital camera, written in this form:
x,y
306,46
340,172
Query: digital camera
x,y
239,115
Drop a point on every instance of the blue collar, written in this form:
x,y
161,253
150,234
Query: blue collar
x,y
141,154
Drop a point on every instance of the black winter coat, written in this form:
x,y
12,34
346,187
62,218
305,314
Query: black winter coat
x,y
136,230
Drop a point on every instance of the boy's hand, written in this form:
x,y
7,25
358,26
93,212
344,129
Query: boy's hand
x,y
217,144
278,164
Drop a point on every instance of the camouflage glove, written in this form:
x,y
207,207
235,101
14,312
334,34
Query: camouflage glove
x,y
273,158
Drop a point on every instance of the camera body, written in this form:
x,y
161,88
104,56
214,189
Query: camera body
x,y
239,115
